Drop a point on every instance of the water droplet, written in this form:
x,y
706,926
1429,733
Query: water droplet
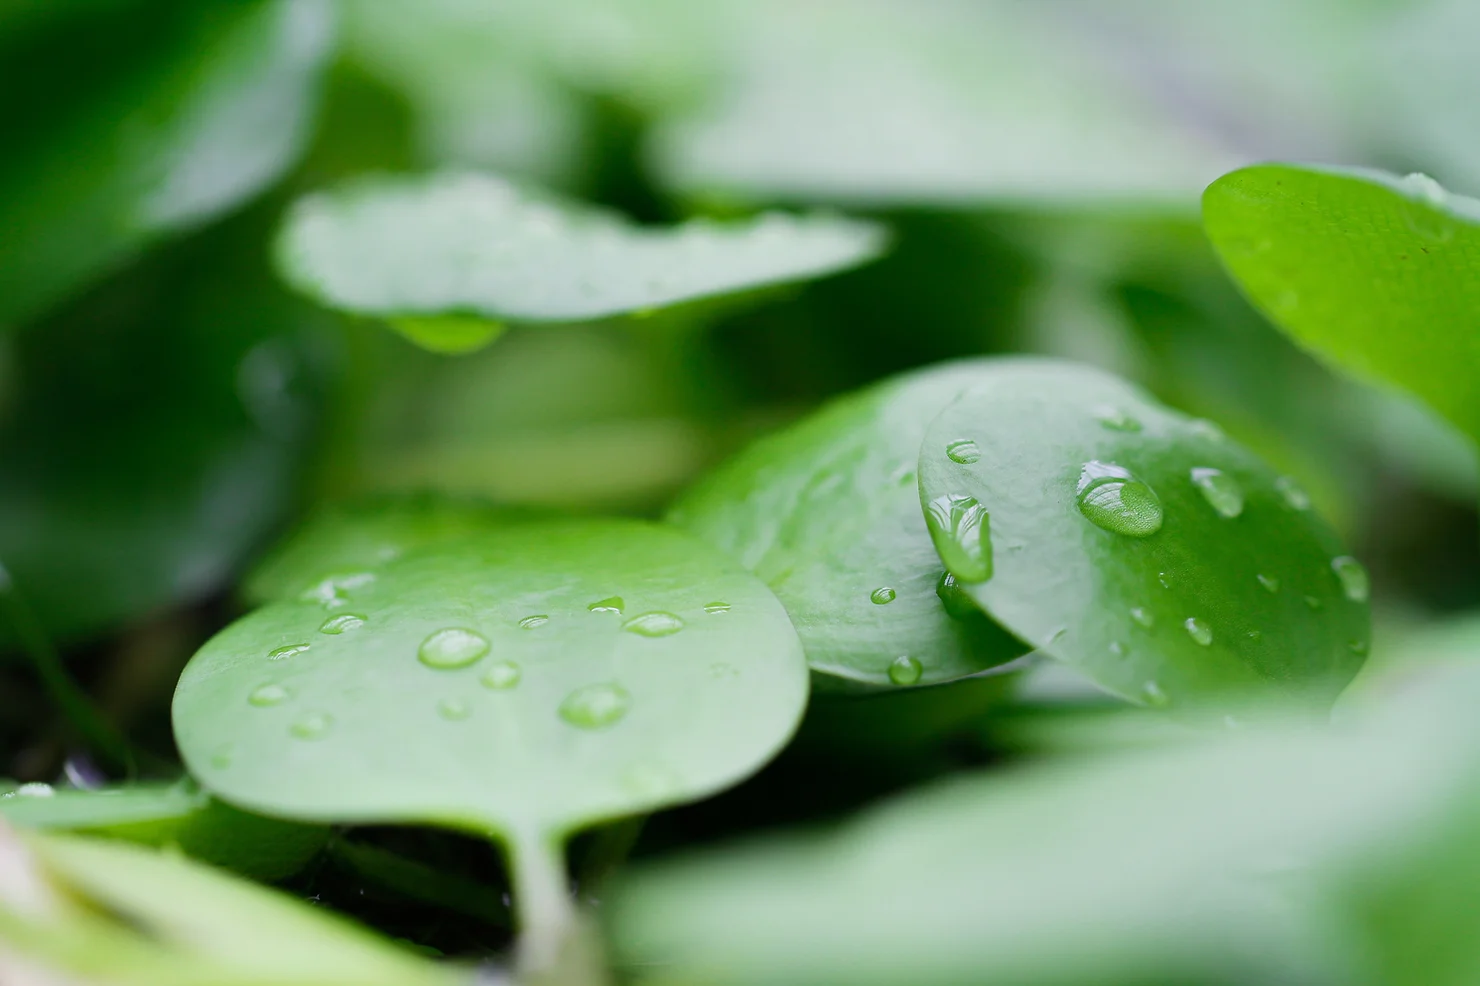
x,y
530,622
1206,430
715,608
1426,215
1115,419
500,676
283,653
905,670
648,781
611,604
453,709
964,452
1222,491
1359,647
882,596
1153,696
959,528
1314,602
453,647
1200,632
1254,635
266,695
654,624
958,604
720,669
34,789
1295,497
1165,578
1354,582
315,725
1116,501
1270,583
1117,648
221,759
1143,616
333,592
595,706
342,623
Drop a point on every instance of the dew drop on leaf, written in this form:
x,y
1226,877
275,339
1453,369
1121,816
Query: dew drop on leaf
x,y
283,653
959,529
905,670
530,622
882,596
1143,616
1295,498
501,676
959,605
715,608
453,647
595,706
611,604
267,695
964,451
1200,632
1113,499
342,623
1152,694
315,725
655,624
1314,602
1270,583
1353,577
453,709
1222,491
1114,419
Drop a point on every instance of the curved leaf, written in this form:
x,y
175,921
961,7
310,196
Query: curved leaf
x,y
1139,546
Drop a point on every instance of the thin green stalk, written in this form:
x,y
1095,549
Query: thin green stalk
x,y
556,946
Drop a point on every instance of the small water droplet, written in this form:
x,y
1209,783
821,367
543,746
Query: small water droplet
x,y
501,676
1270,583
1254,635
1152,695
1314,602
1200,632
283,653
1143,616
453,709
222,758
1359,647
905,670
530,622
1165,578
453,647
654,624
1206,430
1353,577
266,695
1117,648
315,725
957,603
720,669
1426,216
648,781
333,592
1113,499
882,596
343,623
1115,419
1222,491
595,706
1295,498
959,529
964,451
611,604
717,607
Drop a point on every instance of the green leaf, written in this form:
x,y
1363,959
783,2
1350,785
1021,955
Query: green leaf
x,y
466,244
523,684
189,112
1139,546
828,515
1376,274
178,814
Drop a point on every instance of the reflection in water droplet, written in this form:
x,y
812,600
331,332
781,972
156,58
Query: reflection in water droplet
x,y
1295,498
283,653
905,670
957,603
342,623
266,695
315,725
504,674
453,709
1115,419
1111,498
1314,602
965,452
1353,577
882,596
453,647
654,624
611,604
1143,616
530,622
1152,695
1222,491
595,706
1270,583
716,608
959,529
1200,632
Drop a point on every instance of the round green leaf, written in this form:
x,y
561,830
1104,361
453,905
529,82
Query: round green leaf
x,y
527,683
827,514
470,244
1139,546
1377,274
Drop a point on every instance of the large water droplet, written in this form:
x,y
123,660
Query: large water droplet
x,y
595,706
1115,500
882,596
959,605
1200,632
1115,419
266,695
530,622
905,670
453,709
1295,498
1427,215
343,623
717,607
654,624
1222,491
1354,582
1152,695
1143,616
611,604
34,789
453,647
964,452
283,653
501,676
315,725
959,529
1270,583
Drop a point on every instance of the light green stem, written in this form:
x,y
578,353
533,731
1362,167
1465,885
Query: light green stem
x,y
554,945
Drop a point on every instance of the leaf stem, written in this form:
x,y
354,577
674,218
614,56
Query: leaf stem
x,y
555,945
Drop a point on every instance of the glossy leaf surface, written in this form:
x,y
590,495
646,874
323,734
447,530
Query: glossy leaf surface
x,y
1376,274
1141,547
827,513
